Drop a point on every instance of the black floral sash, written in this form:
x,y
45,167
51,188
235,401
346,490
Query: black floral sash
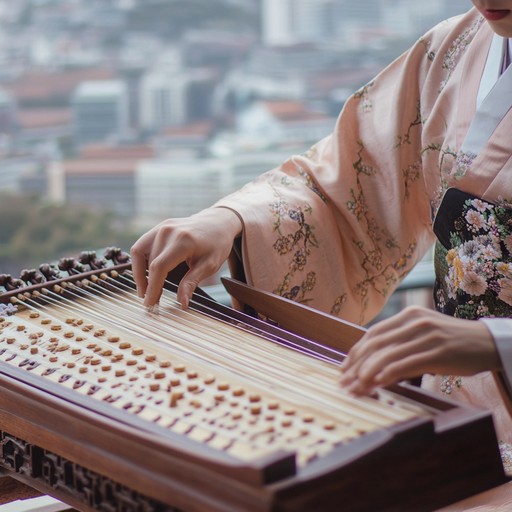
x,y
473,257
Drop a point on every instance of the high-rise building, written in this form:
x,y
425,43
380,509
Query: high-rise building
x,y
277,22
100,111
173,95
288,22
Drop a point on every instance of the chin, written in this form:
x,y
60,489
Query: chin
x,y
503,31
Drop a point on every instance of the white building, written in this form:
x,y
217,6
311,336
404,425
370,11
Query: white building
x,y
177,186
276,24
288,22
165,92
100,111
13,168
181,185
283,123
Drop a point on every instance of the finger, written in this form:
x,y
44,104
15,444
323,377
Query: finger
x,y
139,261
369,344
376,337
403,361
169,249
197,272
407,326
410,367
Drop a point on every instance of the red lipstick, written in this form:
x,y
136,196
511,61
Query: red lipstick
x,y
495,14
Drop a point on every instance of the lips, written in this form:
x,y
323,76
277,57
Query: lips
x,y
495,14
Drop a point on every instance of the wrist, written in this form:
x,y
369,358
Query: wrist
x,y
231,219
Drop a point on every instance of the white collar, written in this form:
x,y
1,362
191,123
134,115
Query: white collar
x,y
493,101
493,66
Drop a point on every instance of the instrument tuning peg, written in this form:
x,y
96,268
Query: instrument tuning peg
x,y
10,284
90,258
31,276
116,255
70,265
50,272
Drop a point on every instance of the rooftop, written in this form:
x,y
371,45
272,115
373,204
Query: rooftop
x,y
32,118
43,85
99,89
105,167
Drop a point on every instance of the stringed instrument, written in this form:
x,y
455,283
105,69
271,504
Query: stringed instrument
x,y
109,406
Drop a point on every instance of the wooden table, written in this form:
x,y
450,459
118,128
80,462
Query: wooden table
x,y
12,490
498,499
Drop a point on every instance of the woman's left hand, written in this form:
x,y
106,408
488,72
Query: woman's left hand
x,y
417,341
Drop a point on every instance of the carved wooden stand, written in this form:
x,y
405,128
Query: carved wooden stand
x,y
64,480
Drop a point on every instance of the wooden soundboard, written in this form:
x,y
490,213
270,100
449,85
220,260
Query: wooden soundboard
x,y
108,406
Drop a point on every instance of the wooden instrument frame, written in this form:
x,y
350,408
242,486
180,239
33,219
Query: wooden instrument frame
x,y
106,458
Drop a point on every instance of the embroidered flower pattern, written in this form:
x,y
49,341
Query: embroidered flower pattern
x,y
383,261
463,163
428,52
363,96
410,175
478,266
449,383
418,121
297,247
506,456
338,303
457,49
310,183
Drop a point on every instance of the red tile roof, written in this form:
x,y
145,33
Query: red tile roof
x,y
32,118
41,85
106,151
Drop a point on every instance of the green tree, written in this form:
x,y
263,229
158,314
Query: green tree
x,y
34,232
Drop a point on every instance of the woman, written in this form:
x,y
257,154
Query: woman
x,y
421,154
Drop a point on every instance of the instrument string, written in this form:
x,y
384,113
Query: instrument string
x,y
120,308
251,330
189,320
261,371
188,422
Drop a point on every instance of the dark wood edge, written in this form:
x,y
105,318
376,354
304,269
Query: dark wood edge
x,y
163,441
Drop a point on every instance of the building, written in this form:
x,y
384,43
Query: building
x,y
177,186
8,113
173,95
182,184
102,178
283,123
288,22
44,125
276,22
100,112
14,169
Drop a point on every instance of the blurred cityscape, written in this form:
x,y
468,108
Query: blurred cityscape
x,y
151,109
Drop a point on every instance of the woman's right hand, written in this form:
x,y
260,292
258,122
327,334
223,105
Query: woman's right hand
x,y
204,241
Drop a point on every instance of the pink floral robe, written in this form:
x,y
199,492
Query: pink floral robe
x,y
338,227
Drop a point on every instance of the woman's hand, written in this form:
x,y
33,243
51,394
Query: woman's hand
x,y
203,241
414,342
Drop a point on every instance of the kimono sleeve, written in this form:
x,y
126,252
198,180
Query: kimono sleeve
x,y
337,228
